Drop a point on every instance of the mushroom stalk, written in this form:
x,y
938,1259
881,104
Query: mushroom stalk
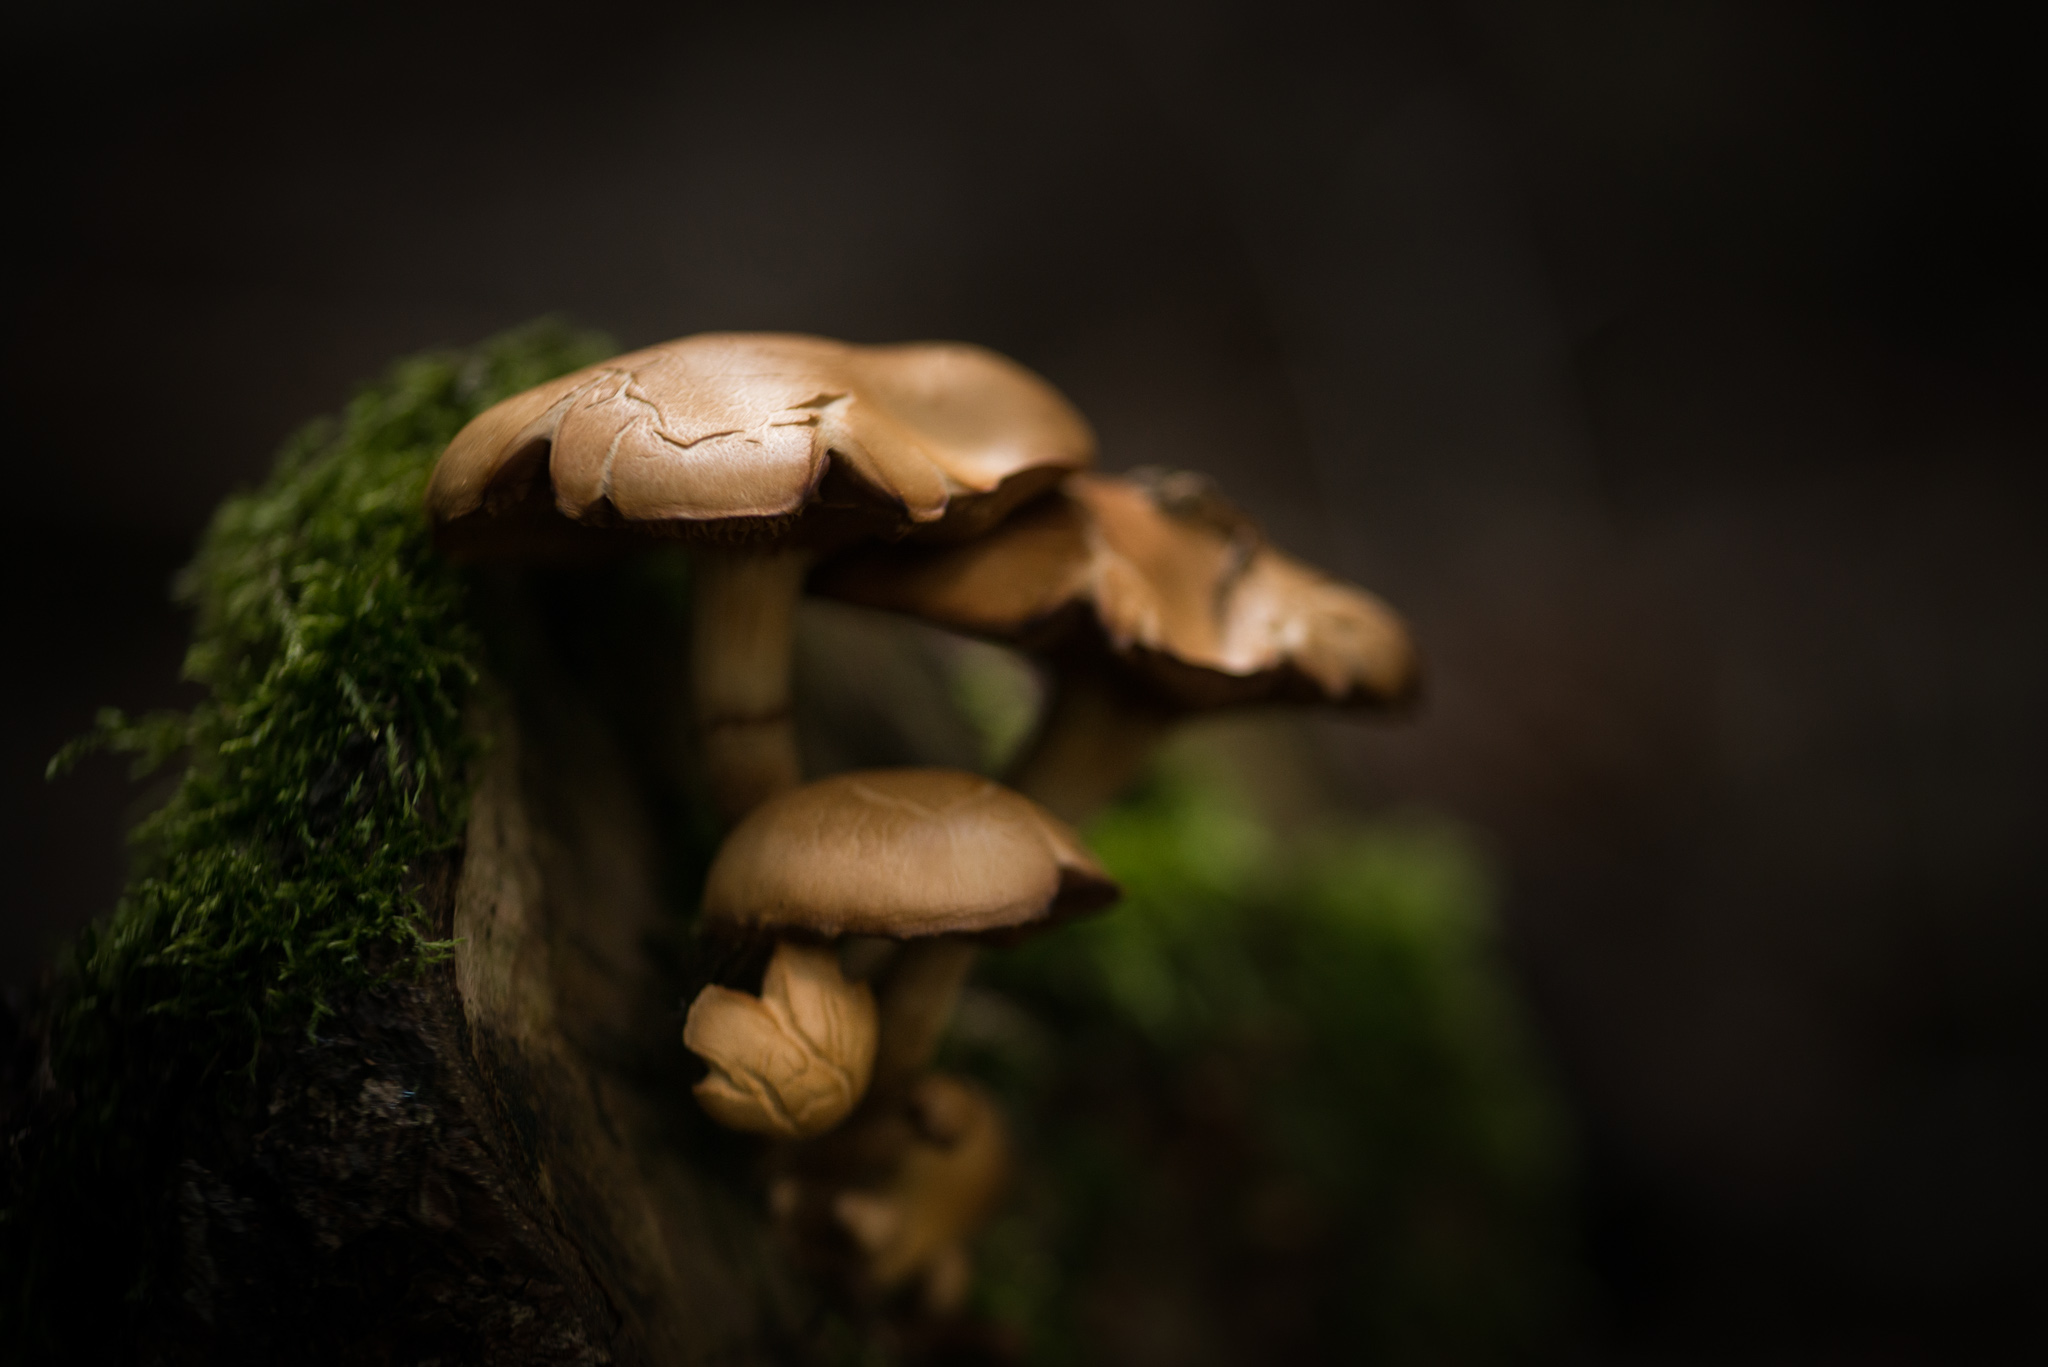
x,y
1092,746
917,1001
745,607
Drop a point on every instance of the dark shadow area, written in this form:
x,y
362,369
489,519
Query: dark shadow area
x,y
1678,369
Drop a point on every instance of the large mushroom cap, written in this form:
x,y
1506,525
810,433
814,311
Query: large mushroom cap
x,y
1166,576
765,434
903,853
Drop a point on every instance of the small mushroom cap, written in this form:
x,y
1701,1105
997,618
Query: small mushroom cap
x,y
793,1061
902,853
765,435
1160,572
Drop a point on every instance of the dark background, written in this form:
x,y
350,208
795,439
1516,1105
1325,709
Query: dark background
x,y
1677,367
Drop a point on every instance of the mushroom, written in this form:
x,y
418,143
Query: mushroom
x,y
765,450
793,1061
934,858
943,1184
1154,598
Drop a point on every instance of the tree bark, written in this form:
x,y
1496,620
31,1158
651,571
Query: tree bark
x,y
498,1161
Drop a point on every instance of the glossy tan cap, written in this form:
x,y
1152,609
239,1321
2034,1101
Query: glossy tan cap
x,y
902,853
1165,575
742,428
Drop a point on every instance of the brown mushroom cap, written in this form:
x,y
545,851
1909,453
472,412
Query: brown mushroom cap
x,y
765,435
793,1061
903,853
1163,574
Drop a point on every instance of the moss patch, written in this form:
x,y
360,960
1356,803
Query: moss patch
x,y
1278,1105
322,772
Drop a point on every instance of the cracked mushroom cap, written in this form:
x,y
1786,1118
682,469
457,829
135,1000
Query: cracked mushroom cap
x,y
902,853
761,435
1166,576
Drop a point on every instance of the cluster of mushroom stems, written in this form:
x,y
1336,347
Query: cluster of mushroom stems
x,y
947,483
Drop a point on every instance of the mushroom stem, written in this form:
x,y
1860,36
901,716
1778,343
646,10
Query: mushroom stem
x,y
1092,746
744,618
917,1001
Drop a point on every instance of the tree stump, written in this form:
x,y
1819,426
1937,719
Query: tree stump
x,y
499,1160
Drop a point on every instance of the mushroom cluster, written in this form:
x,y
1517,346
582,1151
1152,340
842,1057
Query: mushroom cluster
x,y
947,483
765,451
931,859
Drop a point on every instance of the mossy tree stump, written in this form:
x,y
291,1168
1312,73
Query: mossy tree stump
x,y
497,1160
354,1077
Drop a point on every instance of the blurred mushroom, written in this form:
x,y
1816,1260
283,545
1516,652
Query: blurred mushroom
x,y
765,451
1154,598
930,857
943,1185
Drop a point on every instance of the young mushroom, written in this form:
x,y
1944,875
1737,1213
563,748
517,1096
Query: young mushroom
x,y
792,1062
1153,598
933,858
915,1224
765,451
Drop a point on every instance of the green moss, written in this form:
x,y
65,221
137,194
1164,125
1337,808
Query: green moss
x,y
325,760
1276,1105
323,771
